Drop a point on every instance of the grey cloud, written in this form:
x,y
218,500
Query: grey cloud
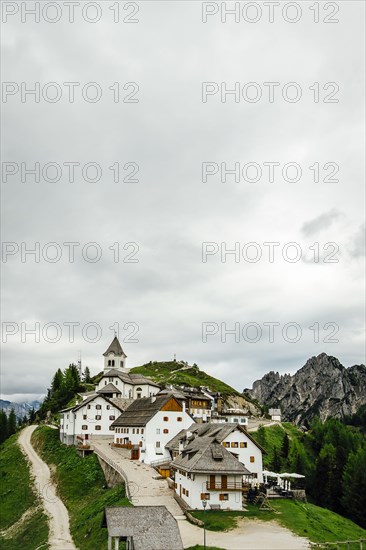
x,y
321,222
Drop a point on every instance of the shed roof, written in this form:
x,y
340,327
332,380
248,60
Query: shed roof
x,y
151,527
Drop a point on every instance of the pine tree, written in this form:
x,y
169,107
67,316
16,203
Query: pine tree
x,y
87,377
261,436
32,416
285,448
12,423
3,426
57,381
276,461
354,487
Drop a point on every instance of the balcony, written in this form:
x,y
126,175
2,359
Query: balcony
x,y
227,486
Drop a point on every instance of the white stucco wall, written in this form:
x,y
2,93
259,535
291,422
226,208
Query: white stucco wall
x,y
154,432
197,486
245,454
72,422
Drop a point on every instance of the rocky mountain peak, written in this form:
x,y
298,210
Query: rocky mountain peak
x,y
322,387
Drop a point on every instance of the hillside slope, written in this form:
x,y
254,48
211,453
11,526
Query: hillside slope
x,y
180,373
322,387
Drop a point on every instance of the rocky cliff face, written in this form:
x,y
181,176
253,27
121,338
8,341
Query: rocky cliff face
x,y
322,387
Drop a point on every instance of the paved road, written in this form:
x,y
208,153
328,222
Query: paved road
x,y
59,536
143,488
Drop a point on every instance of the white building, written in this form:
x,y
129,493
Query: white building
x,y
116,380
206,471
275,414
115,391
231,436
237,416
149,423
92,417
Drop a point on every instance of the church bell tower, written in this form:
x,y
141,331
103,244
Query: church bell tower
x,y
114,357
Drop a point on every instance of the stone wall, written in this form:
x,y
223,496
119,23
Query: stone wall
x,y
112,477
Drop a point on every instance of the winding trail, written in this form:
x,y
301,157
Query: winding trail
x,y
59,537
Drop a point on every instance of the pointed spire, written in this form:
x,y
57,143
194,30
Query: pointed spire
x,y
115,347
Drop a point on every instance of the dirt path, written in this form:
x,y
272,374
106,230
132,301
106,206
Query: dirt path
x,y
59,537
248,535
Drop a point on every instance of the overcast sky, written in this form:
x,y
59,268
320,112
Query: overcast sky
x,y
169,212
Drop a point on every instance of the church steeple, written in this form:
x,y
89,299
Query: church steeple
x,y
114,357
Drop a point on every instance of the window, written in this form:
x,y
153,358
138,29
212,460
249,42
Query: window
x,y
109,362
89,407
116,382
98,427
158,431
98,417
133,430
112,417
137,430
187,493
234,445
142,430
223,496
184,491
84,427
98,406
226,444
121,363
110,379
165,431
252,459
166,418
205,496
179,419
85,416
105,382
243,444
108,407
112,362
111,428
157,444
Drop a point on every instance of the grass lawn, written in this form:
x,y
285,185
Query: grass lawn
x,y
17,497
306,520
80,484
173,373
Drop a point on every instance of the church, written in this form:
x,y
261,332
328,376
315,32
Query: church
x,y
96,411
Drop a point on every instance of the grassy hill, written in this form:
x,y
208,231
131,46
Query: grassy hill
x,y
19,505
176,372
82,487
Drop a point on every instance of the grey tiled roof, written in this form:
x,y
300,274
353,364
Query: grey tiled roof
x,y
133,379
217,431
207,455
109,388
141,411
115,347
151,527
